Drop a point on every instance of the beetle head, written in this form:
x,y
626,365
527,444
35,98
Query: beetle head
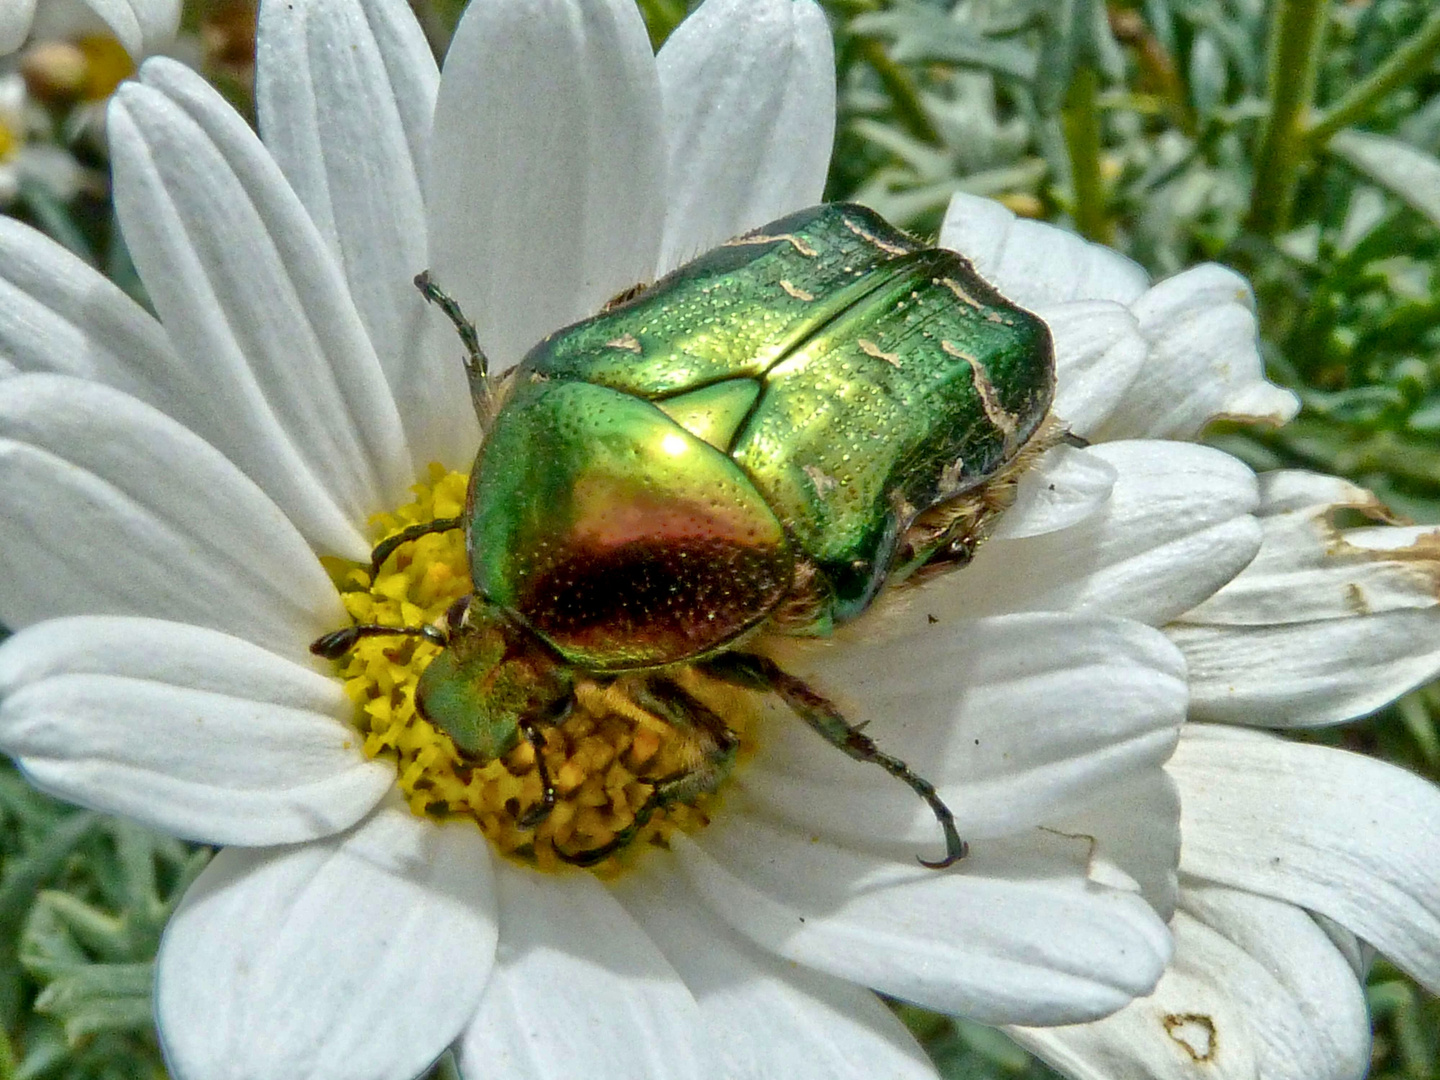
x,y
493,678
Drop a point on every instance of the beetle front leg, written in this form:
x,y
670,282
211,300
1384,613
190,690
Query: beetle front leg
x,y
761,673
719,745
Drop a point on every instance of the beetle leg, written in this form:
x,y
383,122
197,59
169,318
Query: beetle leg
x,y
541,810
719,747
761,673
387,547
477,367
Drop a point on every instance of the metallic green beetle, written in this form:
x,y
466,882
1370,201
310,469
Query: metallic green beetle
x,y
757,443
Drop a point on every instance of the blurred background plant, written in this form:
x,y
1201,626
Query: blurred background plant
x,y
1295,140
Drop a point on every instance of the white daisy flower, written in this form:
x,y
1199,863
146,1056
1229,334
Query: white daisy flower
x,y
140,25
169,484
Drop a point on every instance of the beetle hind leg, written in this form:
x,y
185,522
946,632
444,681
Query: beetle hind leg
x,y
717,745
762,673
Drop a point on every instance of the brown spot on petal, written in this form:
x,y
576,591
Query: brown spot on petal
x,y
1195,1033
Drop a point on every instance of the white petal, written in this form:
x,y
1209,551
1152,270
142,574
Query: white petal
x,y
1015,719
1307,570
1176,528
333,76
547,168
58,314
192,732
112,507
578,989
1033,263
357,958
246,288
1018,933
1098,352
1064,486
15,19
1135,824
1204,360
1307,674
142,26
1324,625
749,92
1256,991
766,1017
1355,839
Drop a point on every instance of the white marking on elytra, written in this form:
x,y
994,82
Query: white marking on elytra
x,y
628,342
864,234
822,481
797,293
764,238
869,348
989,400
960,293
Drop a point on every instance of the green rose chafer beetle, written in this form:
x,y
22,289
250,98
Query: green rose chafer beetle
x,y
758,443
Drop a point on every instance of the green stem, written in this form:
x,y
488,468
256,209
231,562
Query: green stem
x,y
1410,60
1080,119
1296,32
903,94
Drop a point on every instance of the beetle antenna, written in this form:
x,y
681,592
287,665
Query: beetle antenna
x,y
337,643
761,673
386,547
477,367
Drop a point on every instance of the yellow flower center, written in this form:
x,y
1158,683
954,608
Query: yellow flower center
x,y
107,65
604,759
8,140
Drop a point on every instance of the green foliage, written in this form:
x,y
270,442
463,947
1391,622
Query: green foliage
x,y
83,899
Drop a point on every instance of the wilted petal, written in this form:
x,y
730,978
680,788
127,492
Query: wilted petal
x,y
249,293
766,1017
1355,839
310,961
1177,526
1256,991
578,989
1204,360
1033,263
547,167
749,92
1019,933
114,508
345,92
1324,625
189,731
1016,719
